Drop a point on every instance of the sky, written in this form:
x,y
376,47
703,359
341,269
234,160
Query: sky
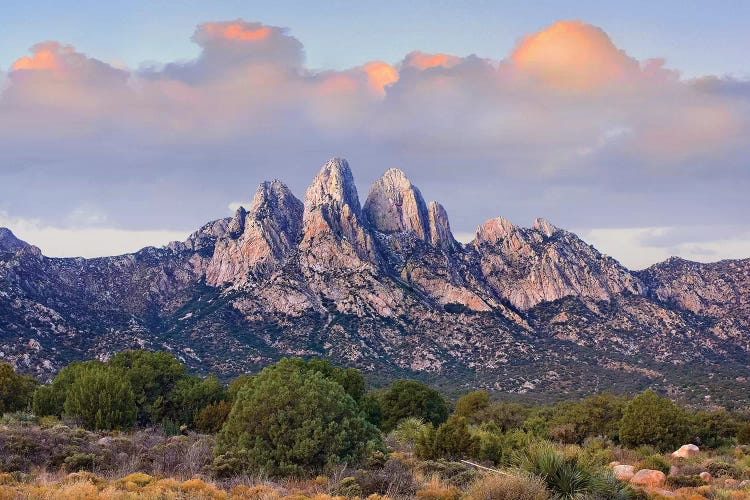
x,y
131,123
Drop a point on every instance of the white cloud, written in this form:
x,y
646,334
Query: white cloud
x,y
85,242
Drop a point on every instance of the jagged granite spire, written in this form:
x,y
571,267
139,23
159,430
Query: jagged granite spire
x,y
9,242
396,205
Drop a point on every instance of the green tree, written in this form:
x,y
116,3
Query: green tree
x,y
594,416
50,400
101,399
152,375
16,390
650,420
409,398
469,404
289,420
451,440
236,384
211,419
188,397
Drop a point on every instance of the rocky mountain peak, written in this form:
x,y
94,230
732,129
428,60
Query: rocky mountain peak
x,y
334,184
495,230
396,205
545,227
9,242
440,229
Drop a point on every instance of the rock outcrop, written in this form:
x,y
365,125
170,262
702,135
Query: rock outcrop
x,y
9,242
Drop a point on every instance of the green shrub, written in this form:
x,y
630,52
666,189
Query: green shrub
x,y
79,462
469,404
452,440
654,462
50,400
743,434
409,431
454,473
408,398
720,468
692,481
16,390
186,399
566,477
505,416
594,416
101,398
290,421
348,488
651,420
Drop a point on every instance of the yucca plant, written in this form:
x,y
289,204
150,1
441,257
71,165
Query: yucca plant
x,y
567,478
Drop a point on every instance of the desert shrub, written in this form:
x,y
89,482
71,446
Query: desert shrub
x,y
152,375
504,415
469,404
713,429
720,468
691,481
654,462
517,486
348,487
743,434
289,421
597,451
566,477
19,418
594,416
651,420
435,490
453,473
79,462
490,447
394,479
409,398
451,440
236,384
100,398
408,432
16,390
211,418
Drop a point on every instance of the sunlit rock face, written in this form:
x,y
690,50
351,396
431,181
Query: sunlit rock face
x,y
387,288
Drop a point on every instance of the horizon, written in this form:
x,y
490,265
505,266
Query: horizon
x,y
627,128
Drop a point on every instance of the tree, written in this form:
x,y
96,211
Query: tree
x,y
188,397
16,390
469,404
289,420
650,420
152,375
101,399
409,398
594,416
50,400
451,440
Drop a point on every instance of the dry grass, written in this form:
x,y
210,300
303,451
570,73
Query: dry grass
x,y
508,487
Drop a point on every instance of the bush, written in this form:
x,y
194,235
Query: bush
x,y
692,481
436,491
454,473
504,415
566,477
516,486
651,420
186,399
348,488
101,398
79,462
743,434
469,404
408,398
722,469
50,400
16,390
211,418
452,440
594,416
394,479
289,421
408,432
654,462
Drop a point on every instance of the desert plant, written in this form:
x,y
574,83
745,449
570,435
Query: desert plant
x,y
409,398
211,418
100,398
288,421
16,390
451,440
515,486
650,420
654,462
469,404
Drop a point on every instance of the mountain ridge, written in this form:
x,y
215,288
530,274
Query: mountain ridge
x,y
386,287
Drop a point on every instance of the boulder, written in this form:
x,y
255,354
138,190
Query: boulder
x,y
649,478
623,472
705,476
686,451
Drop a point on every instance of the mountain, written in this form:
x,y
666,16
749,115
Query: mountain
x,y
532,312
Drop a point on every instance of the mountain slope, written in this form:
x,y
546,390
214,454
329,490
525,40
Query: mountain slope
x,y
386,287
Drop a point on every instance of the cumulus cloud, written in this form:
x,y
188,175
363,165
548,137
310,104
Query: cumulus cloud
x,y
568,125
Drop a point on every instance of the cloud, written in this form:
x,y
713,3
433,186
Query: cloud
x,y
86,241
568,125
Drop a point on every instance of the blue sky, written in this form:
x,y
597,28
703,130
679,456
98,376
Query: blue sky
x,y
137,121
698,37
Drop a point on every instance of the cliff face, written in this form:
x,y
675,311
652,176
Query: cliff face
x,y
385,287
